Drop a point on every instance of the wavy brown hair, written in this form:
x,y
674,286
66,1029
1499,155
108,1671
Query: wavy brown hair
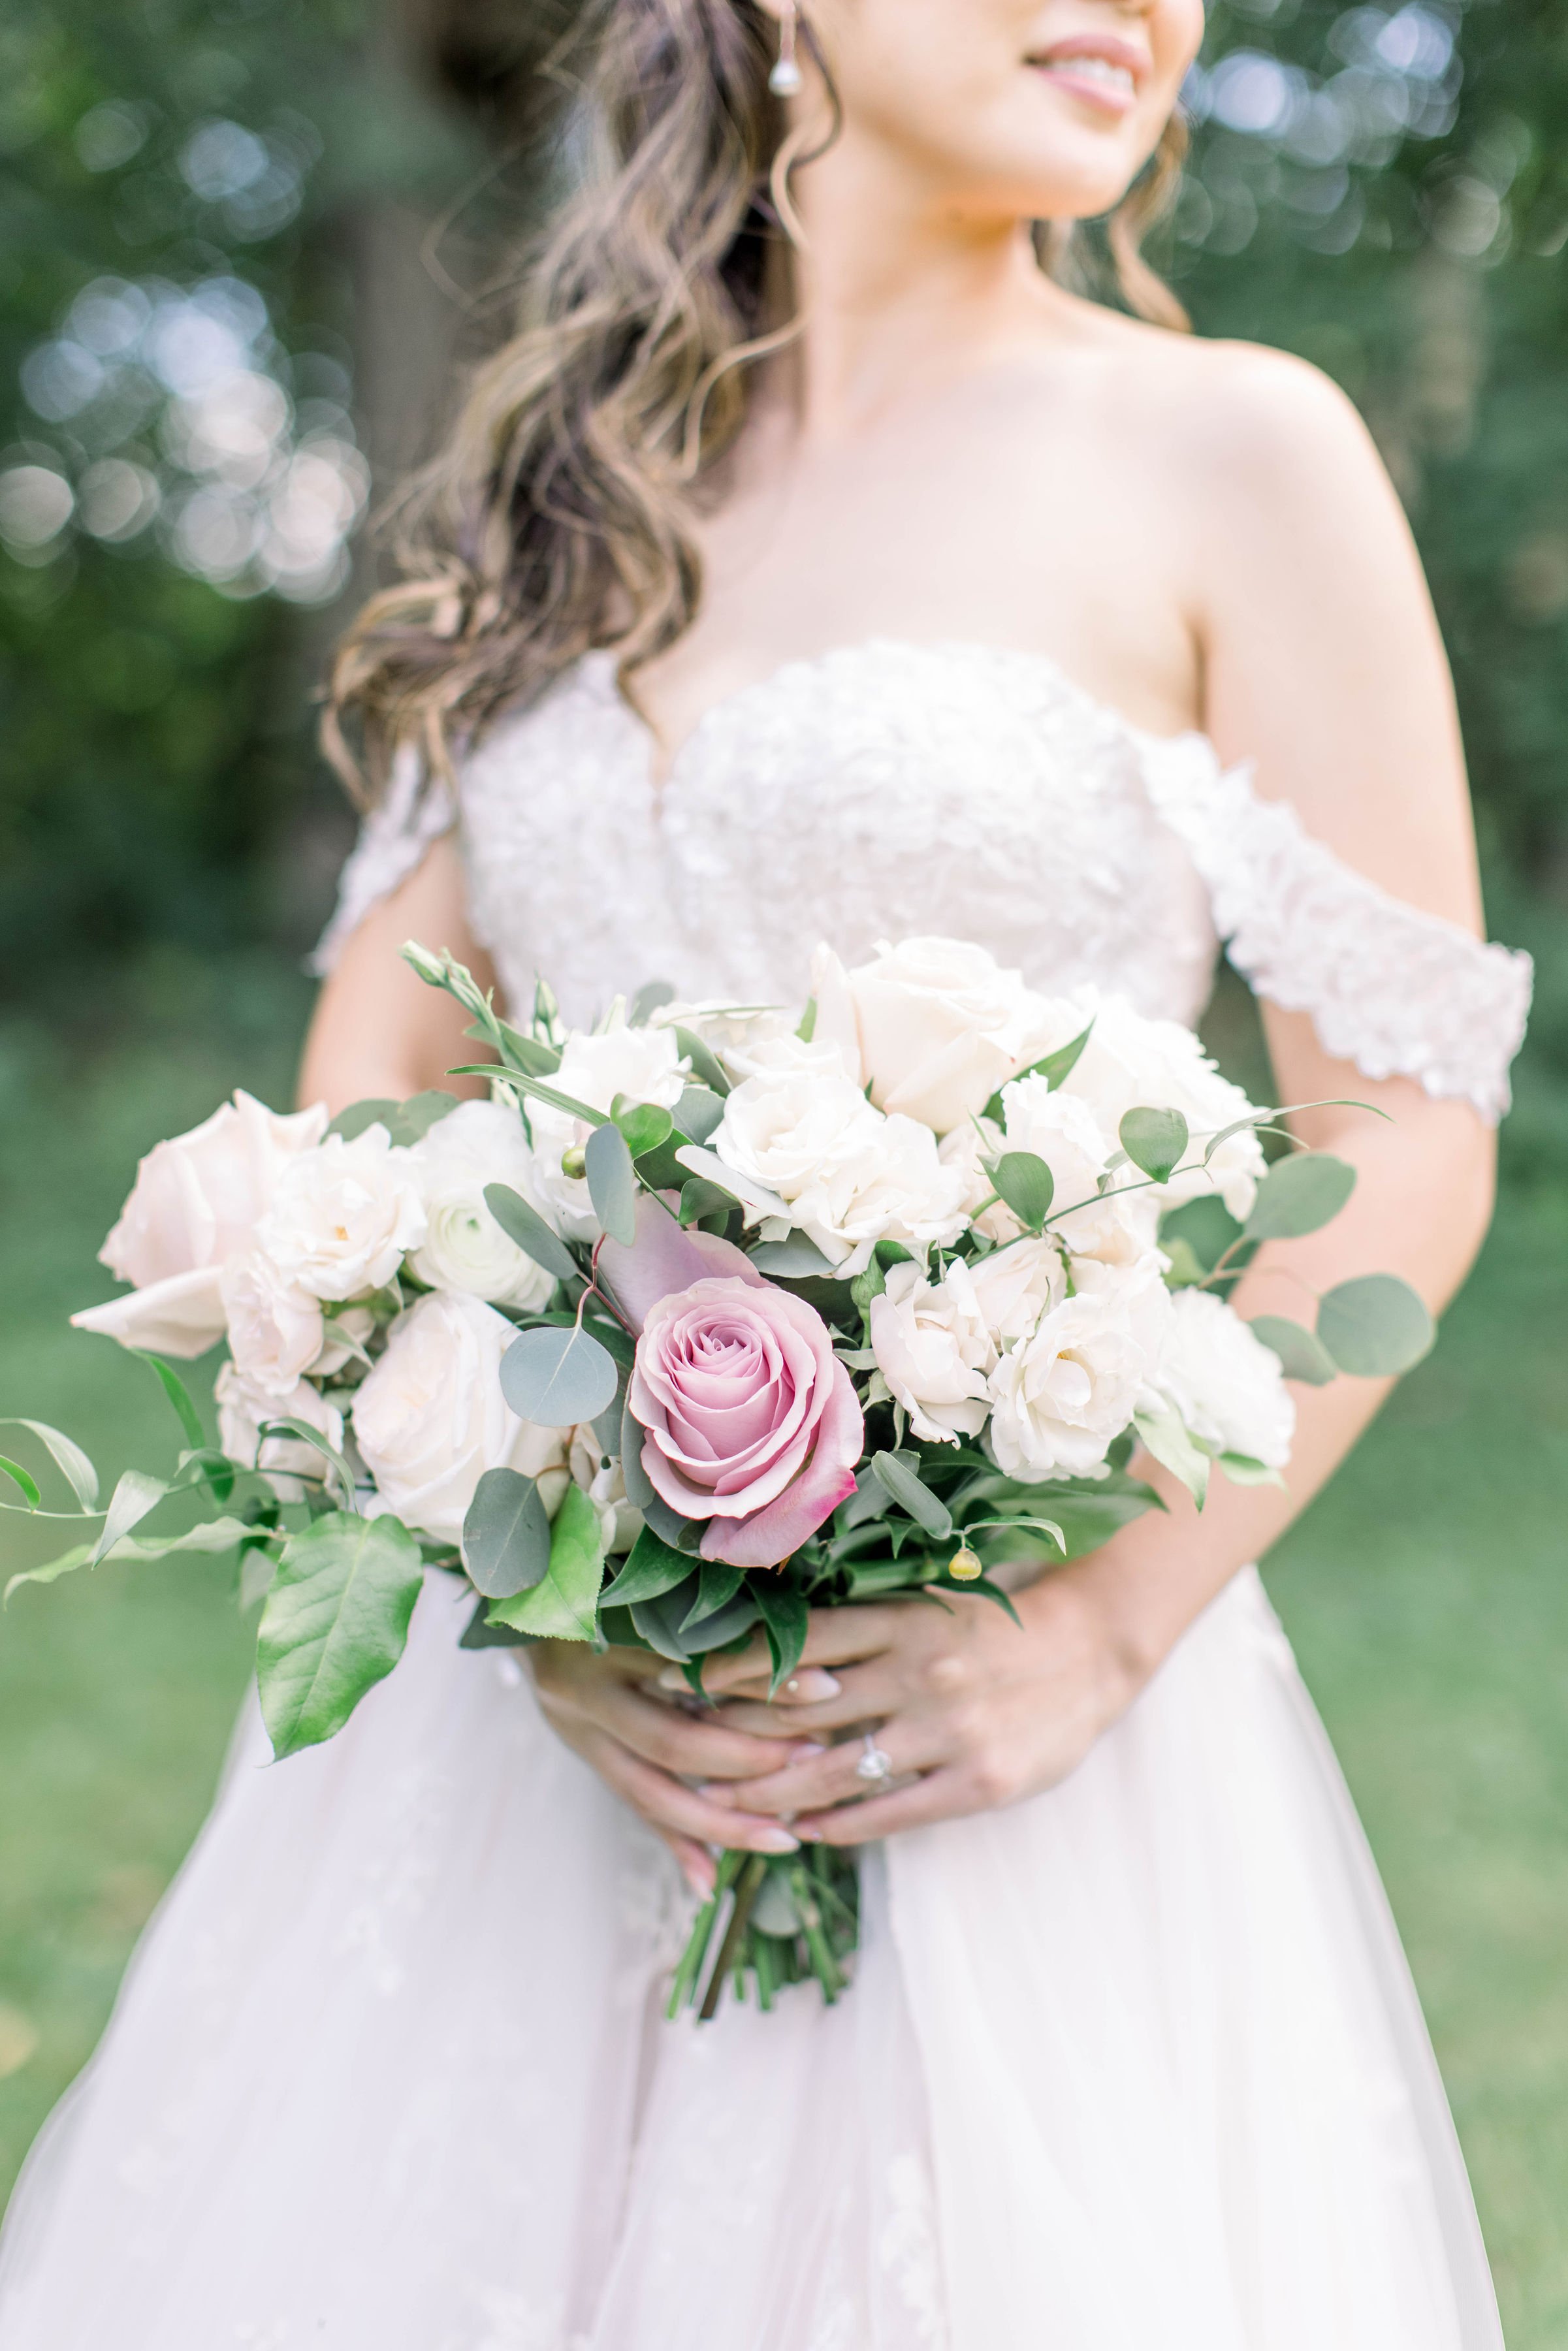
x,y
558,517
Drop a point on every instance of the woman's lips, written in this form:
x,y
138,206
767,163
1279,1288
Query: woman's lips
x,y
1104,74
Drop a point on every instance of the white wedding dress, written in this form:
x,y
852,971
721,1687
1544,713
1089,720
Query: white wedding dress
x,y
1135,2065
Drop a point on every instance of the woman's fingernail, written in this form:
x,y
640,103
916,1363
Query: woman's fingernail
x,y
806,1749
671,1678
776,1840
701,1881
806,1835
810,1686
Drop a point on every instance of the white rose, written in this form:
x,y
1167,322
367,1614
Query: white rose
x,y
850,1175
478,1143
933,1349
967,1149
1130,1061
285,1460
195,1203
275,1330
430,1419
644,1064
345,1215
941,1026
1223,1382
735,1034
1015,1287
1061,1397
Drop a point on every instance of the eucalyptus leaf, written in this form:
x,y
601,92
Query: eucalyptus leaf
x,y
905,1484
1302,1355
611,1182
698,1112
644,1126
1300,1195
523,1224
505,1535
1167,1440
1027,1184
1205,1226
786,1620
565,1605
1375,1327
705,1067
352,1123
1154,1140
651,1568
557,1377
700,1199
633,1477
335,1624
682,1534
649,996
67,1457
796,1260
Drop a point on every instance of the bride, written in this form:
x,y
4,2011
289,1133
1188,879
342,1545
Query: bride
x,y
816,562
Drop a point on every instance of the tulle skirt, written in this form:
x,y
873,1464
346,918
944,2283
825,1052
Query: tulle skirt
x,y
1135,2063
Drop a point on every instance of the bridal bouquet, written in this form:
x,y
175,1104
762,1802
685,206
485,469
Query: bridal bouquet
x,y
709,1316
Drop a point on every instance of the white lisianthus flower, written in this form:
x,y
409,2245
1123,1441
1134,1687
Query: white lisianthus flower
x,y
345,1215
479,1143
849,1176
600,1476
1061,1397
1132,1062
1017,1285
195,1204
242,1410
275,1330
933,1349
645,1064
733,1033
941,1026
1224,1384
430,1419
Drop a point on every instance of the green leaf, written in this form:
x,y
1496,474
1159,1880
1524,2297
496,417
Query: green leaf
x,y
644,1126
704,1066
697,1113
647,1001
27,1486
129,1504
565,1605
1155,1141
1054,1068
705,1165
410,1121
1027,1184
286,1425
700,1199
1205,1225
796,1260
207,1467
1302,1355
786,1620
704,1635
524,1225
335,1624
1375,1327
1300,1195
352,1123
1031,1526
718,1583
557,1377
612,1185
505,1535
529,1054
651,1568
1185,1269
903,1482
211,1535
1242,1470
1167,1440
535,1089
659,1618
179,1396
67,1457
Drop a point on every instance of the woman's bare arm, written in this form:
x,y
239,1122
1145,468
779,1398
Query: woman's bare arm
x,y
377,1031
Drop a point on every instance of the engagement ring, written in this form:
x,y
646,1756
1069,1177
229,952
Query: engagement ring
x,y
876,1763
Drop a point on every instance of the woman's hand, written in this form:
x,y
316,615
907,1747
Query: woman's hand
x,y
986,1712
646,1750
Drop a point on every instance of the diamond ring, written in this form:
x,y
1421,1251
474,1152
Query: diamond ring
x,y
876,1763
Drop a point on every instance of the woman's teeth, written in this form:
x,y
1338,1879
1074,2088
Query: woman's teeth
x,y
1101,69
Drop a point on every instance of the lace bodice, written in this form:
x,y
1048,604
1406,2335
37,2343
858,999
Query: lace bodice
x,y
888,789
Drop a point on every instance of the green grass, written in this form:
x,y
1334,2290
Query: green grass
x,y
1426,1595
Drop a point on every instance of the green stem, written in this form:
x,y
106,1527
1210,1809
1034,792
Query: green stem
x,y
747,1887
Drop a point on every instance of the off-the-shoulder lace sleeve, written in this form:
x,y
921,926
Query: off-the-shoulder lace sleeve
x,y
1399,992
415,811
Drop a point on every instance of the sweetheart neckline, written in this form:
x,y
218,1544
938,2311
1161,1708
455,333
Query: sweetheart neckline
x,y
600,666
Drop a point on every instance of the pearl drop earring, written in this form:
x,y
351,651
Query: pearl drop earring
x,y
785,80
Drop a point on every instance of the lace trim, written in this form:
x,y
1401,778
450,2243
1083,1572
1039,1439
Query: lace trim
x,y
1399,992
392,840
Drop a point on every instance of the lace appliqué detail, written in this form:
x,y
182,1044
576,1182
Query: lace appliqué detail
x,y
1399,992
415,812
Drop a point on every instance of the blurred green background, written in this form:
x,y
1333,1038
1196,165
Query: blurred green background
x,y
240,241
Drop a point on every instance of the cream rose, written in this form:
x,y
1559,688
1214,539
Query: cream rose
x,y
1062,1395
941,1026
1063,1130
195,1204
1132,1062
1226,1386
479,1143
430,1419
645,1064
243,1409
933,1351
275,1330
344,1216
1016,1285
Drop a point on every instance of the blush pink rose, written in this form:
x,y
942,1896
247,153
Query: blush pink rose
x,y
751,1420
